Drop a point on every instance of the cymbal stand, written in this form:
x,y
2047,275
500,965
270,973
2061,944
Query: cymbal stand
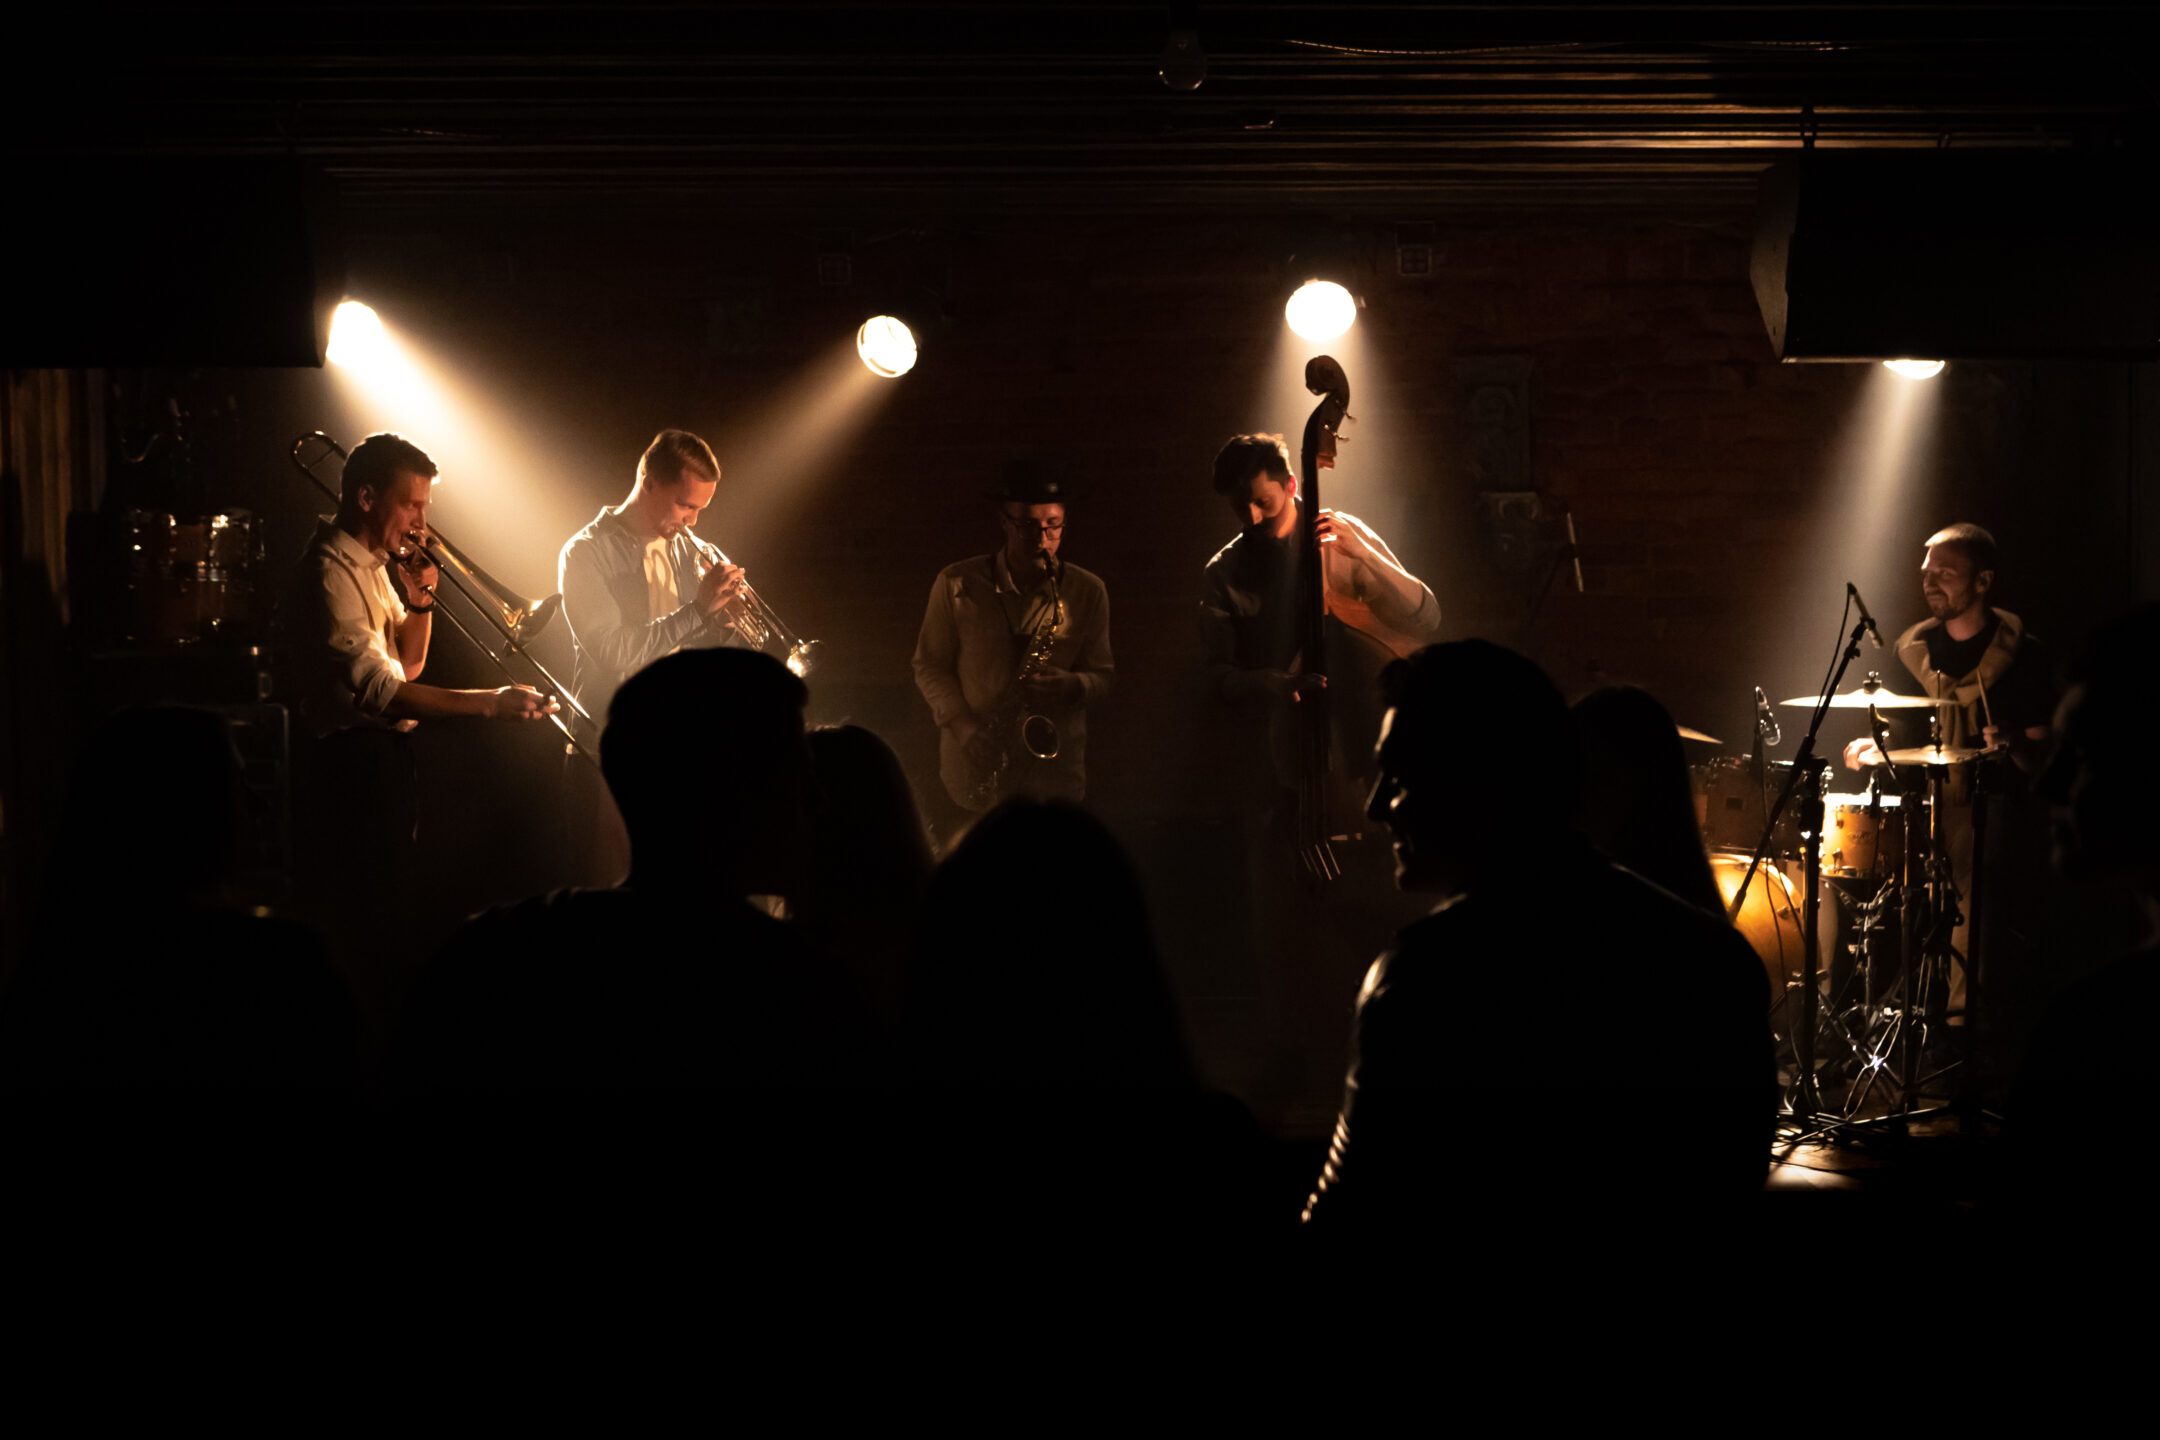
x,y
1808,768
1931,923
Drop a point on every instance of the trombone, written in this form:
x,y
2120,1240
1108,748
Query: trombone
x,y
515,618
758,623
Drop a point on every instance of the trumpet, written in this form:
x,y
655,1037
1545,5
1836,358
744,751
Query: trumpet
x,y
754,620
517,619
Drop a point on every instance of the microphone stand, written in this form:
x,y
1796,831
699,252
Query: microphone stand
x,y
1808,766
1566,554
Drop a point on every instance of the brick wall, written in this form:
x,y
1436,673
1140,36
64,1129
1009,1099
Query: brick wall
x,y
1722,499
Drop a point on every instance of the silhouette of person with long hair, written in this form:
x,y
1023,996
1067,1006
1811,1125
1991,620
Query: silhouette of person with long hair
x,y
1638,808
869,862
1039,1012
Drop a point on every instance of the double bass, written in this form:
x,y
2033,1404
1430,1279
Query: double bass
x,y
1313,737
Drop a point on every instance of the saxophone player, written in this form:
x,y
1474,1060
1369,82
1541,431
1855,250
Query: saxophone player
x,y
1012,635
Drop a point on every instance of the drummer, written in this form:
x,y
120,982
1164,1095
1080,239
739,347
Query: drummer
x,y
1980,661
1997,693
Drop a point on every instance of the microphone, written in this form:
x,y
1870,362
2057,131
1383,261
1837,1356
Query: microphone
x,y
1866,619
1574,552
1766,724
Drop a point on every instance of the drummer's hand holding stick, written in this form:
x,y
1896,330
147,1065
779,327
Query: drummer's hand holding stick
x,y
1862,752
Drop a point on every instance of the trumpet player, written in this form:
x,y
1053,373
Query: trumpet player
x,y
363,609
635,583
1011,635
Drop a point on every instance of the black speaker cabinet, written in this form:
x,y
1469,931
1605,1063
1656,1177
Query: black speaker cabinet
x,y
1942,255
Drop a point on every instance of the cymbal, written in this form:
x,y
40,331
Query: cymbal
x,y
1687,734
1860,697
1933,755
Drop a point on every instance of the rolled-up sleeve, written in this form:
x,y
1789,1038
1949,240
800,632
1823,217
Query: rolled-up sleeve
x,y
355,650
596,620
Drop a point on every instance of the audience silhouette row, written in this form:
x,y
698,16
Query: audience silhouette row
x,y
985,1043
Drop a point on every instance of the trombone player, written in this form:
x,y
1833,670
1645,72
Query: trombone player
x,y
362,624
357,630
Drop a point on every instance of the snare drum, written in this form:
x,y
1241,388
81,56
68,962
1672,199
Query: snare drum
x,y
1858,842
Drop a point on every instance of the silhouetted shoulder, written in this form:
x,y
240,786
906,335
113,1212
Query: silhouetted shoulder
x,y
610,989
185,1000
2090,1057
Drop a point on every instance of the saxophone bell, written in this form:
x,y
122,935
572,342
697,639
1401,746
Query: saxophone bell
x,y
1015,726
1039,733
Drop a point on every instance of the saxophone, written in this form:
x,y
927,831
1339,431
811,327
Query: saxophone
x,y
1013,728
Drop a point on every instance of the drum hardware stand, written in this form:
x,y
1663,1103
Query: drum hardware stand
x,y
1933,921
1812,768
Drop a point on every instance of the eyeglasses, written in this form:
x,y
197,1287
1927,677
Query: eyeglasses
x,y
1036,527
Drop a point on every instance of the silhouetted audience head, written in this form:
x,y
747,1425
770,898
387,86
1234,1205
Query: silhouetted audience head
x,y
2102,783
1477,757
155,807
704,753
1035,966
870,834
1637,806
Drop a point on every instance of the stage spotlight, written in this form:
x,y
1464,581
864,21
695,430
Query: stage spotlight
x,y
886,346
1914,369
1320,310
356,336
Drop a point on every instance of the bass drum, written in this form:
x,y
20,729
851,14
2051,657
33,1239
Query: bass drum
x,y
1770,923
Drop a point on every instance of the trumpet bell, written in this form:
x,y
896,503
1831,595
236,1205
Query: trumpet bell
x,y
802,657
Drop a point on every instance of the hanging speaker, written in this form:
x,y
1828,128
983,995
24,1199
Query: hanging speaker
x,y
1871,256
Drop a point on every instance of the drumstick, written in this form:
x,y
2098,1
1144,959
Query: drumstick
x,y
1986,713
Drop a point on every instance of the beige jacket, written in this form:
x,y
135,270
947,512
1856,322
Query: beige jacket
x,y
969,652
1962,722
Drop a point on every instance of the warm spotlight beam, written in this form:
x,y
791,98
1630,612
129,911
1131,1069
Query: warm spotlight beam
x,y
886,346
1321,310
500,465
356,337
810,422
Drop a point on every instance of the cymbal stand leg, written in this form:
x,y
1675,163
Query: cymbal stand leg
x,y
1968,1094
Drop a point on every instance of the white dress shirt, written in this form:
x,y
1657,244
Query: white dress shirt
x,y
343,634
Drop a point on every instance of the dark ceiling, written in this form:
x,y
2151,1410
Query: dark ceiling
x,y
1059,106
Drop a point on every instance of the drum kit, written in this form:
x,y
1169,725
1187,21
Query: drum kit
x,y
190,579
1884,852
